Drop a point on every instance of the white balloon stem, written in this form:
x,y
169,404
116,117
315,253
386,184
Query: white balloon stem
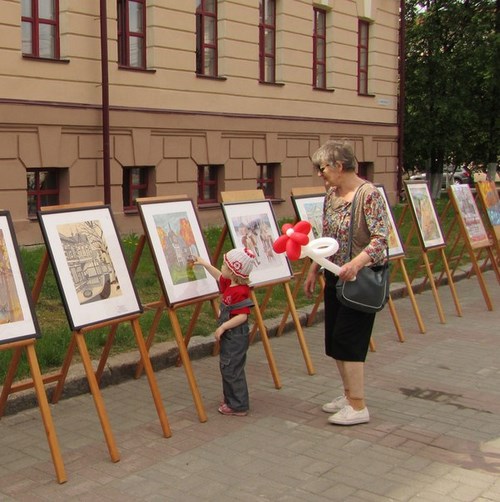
x,y
319,249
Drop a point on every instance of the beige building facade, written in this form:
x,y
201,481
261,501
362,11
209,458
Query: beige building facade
x,y
167,119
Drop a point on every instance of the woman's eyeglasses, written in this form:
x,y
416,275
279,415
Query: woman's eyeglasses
x,y
321,168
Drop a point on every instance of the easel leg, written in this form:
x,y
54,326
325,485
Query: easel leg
x,y
96,394
152,331
437,300
189,332
45,412
262,308
9,378
298,327
411,294
64,370
105,352
458,308
186,363
148,368
395,319
265,342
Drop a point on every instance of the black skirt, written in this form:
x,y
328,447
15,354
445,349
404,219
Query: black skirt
x,y
347,331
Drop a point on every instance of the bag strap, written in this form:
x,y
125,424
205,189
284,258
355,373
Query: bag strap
x,y
351,223
247,302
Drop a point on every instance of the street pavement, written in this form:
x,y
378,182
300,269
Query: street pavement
x,y
434,433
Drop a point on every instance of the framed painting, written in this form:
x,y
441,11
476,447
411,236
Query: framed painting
x,y
89,264
395,246
17,314
489,199
466,209
424,214
252,224
310,208
175,239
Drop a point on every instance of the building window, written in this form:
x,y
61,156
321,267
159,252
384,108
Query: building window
x,y
132,33
208,185
43,189
319,49
363,38
266,179
135,185
267,41
206,37
40,28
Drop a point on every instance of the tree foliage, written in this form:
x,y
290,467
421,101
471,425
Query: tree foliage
x,y
452,83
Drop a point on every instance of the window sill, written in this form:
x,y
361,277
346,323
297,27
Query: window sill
x,y
46,60
130,211
275,200
323,89
272,84
134,68
210,77
366,95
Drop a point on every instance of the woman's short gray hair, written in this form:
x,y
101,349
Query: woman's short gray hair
x,y
333,151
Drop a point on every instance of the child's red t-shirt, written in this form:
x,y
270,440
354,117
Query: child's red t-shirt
x,y
234,294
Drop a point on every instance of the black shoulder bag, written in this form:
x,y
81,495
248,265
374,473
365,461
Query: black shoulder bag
x,y
369,292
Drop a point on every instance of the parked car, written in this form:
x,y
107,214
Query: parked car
x,y
462,176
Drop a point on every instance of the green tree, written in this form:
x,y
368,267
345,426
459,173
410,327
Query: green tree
x,y
451,88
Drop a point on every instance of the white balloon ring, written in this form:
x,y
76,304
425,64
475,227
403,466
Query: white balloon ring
x,y
319,249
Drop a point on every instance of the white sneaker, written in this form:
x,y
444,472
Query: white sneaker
x,y
336,405
349,416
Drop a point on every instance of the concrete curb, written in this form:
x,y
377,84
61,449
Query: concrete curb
x,y
121,367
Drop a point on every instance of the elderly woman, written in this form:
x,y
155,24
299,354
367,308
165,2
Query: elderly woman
x,y
348,331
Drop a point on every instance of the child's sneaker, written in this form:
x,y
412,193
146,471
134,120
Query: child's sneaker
x,y
336,405
226,410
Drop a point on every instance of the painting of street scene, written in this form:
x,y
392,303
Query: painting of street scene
x,y
89,262
253,225
179,246
10,305
488,194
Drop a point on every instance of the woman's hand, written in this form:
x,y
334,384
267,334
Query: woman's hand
x,y
310,282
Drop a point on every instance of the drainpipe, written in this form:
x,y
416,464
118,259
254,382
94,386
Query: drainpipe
x,y
105,103
401,97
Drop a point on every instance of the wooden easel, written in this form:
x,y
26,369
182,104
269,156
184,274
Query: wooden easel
x,y
37,383
473,247
182,341
258,195
440,249
78,340
493,230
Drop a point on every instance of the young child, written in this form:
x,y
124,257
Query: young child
x,y
233,331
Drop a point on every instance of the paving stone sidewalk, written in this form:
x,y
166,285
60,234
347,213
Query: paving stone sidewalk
x,y
434,433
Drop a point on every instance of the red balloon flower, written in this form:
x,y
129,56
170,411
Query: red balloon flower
x,y
293,238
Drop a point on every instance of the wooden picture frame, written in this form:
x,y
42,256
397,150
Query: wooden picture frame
x,y
17,314
175,239
89,265
252,224
310,208
468,212
396,248
424,213
488,196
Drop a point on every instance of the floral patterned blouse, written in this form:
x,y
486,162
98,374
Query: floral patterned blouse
x,y
370,231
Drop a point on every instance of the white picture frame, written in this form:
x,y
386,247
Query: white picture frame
x,y
310,208
252,224
89,265
17,314
175,239
424,214
396,248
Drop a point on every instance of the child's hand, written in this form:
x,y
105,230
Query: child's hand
x,y
219,332
198,260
